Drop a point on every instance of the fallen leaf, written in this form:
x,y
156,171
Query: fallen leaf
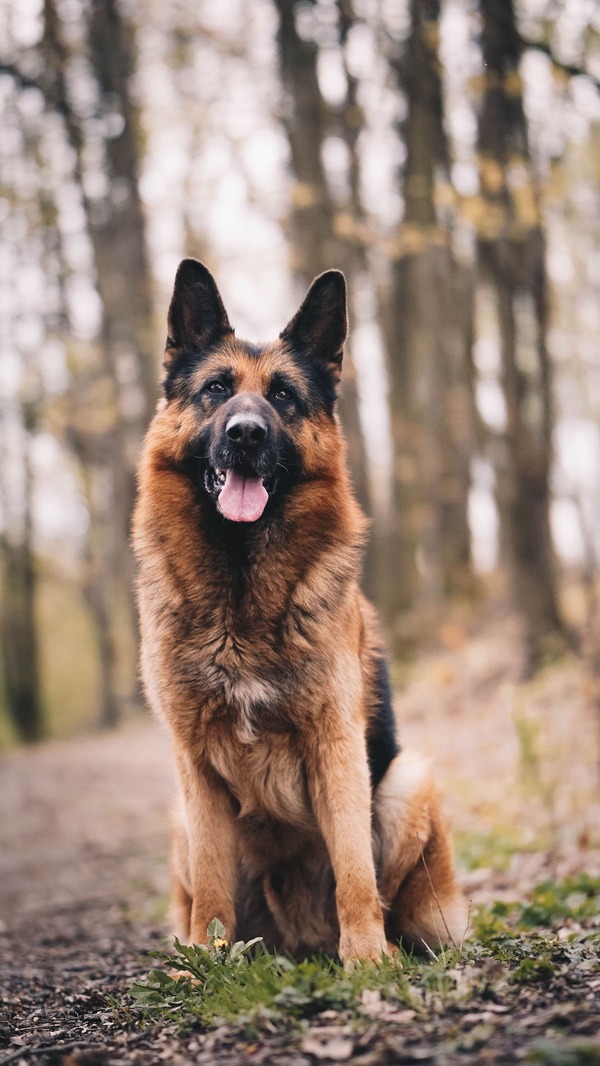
x,y
326,1045
375,1007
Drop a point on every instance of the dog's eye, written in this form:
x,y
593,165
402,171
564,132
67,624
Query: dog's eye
x,y
283,394
216,387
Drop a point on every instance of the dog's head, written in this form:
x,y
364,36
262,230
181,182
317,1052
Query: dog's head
x,y
253,419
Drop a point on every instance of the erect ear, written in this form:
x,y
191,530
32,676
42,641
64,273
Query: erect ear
x,y
197,317
319,328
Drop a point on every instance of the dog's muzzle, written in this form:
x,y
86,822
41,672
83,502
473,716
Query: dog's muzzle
x,y
246,430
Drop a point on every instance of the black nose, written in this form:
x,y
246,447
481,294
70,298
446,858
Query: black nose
x,y
247,430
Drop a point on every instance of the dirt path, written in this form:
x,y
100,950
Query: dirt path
x,y
83,874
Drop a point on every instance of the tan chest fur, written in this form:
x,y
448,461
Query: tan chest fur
x,y
266,776
243,678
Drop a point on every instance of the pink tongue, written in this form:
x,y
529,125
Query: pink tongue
x,y
242,499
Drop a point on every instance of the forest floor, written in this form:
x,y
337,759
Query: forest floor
x,y
83,882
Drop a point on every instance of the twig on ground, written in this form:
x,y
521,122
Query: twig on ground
x,y
467,927
435,896
429,951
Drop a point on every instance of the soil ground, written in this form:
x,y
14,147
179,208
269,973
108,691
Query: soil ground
x,y
83,874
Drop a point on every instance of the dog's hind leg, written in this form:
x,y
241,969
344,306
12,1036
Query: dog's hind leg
x,y
422,902
180,906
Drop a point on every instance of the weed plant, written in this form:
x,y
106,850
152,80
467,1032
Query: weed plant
x,y
547,937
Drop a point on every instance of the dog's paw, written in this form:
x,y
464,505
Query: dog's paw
x,y
367,946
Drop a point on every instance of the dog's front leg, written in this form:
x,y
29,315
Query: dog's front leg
x,y
340,790
211,839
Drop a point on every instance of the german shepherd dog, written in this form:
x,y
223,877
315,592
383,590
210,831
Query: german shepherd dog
x,y
300,821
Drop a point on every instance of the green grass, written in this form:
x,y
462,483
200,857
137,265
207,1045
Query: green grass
x,y
551,904
567,1053
493,850
512,944
225,982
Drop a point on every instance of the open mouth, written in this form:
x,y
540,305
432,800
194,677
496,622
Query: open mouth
x,y
240,497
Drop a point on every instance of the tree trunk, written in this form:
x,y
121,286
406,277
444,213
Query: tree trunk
x,y
117,226
511,252
126,378
18,626
315,246
20,656
429,332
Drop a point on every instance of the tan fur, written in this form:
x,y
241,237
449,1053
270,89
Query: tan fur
x,y
266,693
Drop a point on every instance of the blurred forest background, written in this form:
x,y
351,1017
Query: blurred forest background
x,y
444,155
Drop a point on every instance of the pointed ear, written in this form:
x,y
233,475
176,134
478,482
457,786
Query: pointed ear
x,y
318,330
197,317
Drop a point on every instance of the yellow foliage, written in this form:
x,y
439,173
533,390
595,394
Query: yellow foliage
x,y
412,240
527,214
477,84
561,78
473,208
305,194
349,228
431,34
493,222
557,185
445,195
491,175
513,83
